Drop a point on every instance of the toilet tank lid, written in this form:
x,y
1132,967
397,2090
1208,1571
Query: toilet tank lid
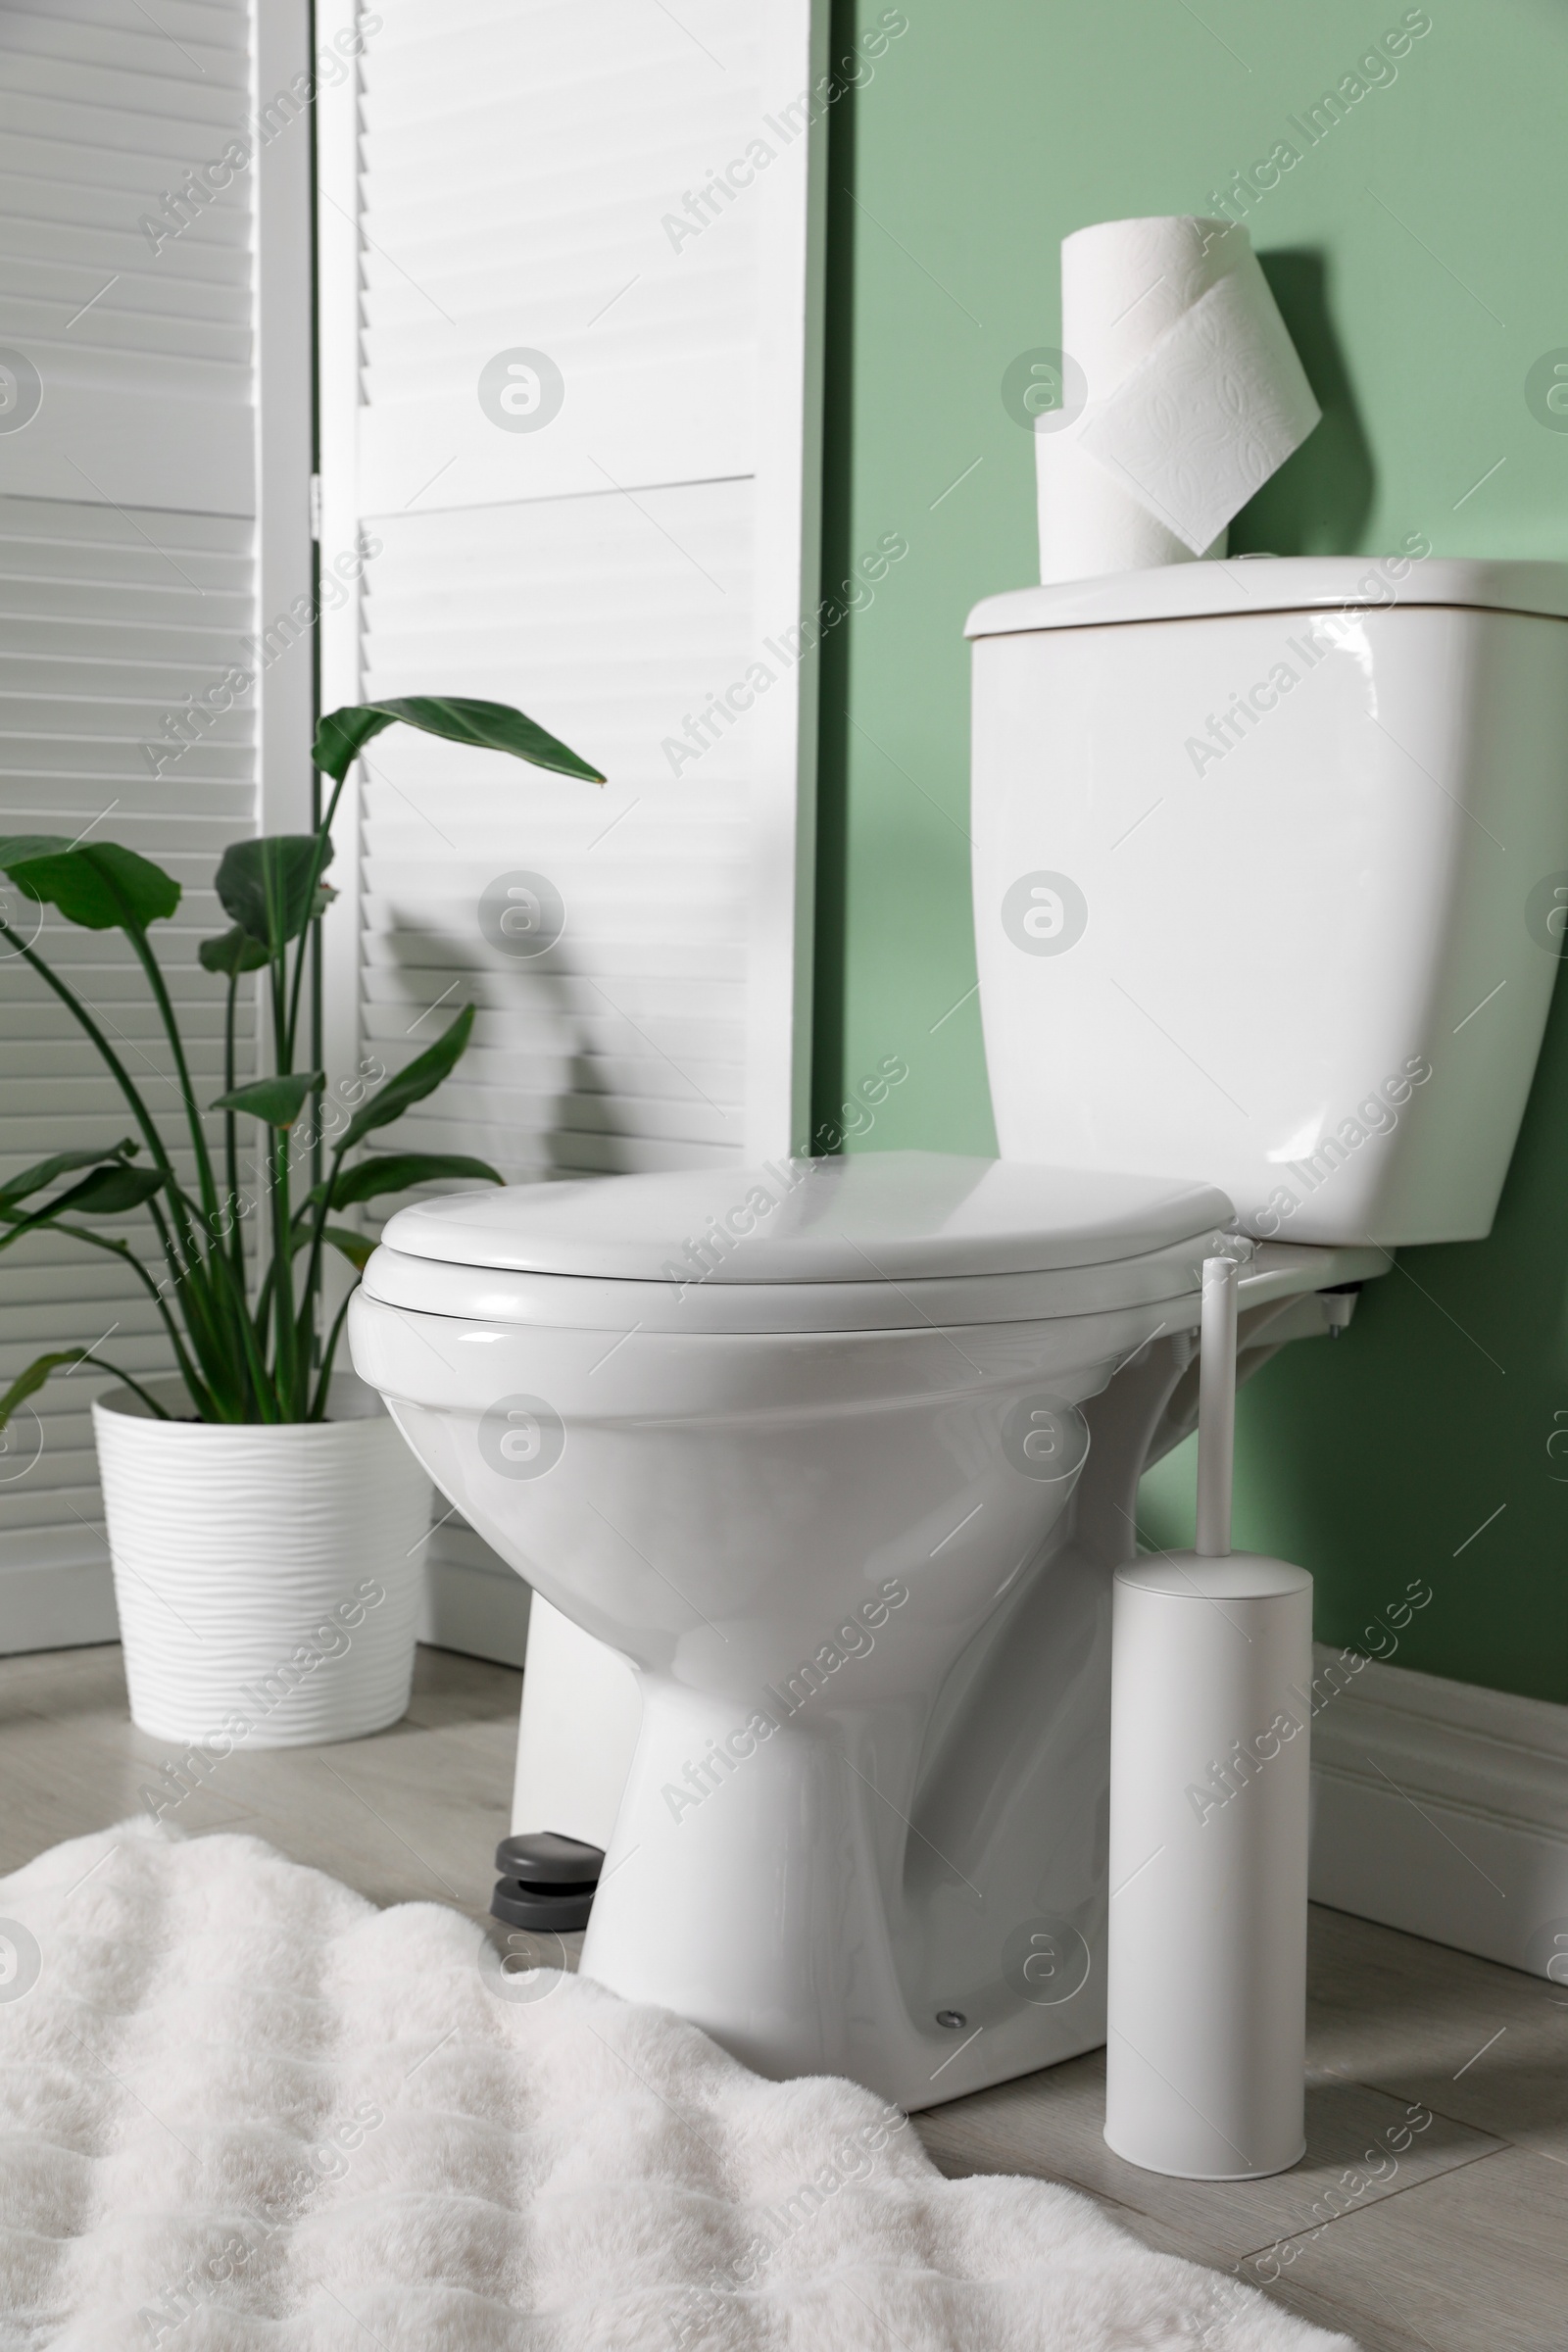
x,y
893,1216
1274,585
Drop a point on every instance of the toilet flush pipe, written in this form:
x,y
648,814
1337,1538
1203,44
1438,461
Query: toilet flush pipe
x,y
1216,1408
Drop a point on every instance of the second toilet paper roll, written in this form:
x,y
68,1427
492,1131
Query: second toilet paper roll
x,y
1194,396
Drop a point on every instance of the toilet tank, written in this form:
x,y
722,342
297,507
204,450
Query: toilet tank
x,y
1271,876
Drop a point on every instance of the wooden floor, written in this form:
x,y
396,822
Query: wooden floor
x,y
1430,2208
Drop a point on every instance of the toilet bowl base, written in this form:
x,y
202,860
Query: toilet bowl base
x,y
797,1910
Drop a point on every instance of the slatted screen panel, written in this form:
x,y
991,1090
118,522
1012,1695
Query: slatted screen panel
x,y
126,584
620,1046
143,344
518,168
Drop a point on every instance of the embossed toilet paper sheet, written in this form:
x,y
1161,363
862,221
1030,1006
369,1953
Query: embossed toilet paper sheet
x,y
242,2110
1215,408
1188,395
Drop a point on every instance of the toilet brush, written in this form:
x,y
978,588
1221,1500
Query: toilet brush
x,y
1212,1666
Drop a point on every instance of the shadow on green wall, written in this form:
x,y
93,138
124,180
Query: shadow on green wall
x,y
1460,1489
830,932
1319,500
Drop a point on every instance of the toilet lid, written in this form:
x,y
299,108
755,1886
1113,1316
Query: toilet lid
x,y
856,1242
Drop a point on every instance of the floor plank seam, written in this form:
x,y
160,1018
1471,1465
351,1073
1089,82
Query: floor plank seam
x,y
1390,2196
1461,2123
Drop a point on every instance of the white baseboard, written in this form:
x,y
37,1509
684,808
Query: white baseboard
x,y
1442,1809
57,1592
473,1600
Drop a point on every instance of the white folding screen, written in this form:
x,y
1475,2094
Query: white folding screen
x,y
138,268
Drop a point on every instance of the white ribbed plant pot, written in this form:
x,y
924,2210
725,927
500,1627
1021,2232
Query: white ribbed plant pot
x,y
268,1577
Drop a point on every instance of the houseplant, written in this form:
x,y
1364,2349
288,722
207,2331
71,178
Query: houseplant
x,y
257,1497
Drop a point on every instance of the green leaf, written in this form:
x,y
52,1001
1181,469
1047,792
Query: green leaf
x,y
343,734
358,1248
395,1171
410,1086
20,849
277,1101
27,1384
490,727
233,952
98,884
266,886
107,1192
45,1171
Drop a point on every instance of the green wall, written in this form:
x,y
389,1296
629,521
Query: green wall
x,y
1418,253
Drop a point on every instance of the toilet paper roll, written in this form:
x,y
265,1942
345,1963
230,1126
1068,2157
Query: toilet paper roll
x,y
1194,396
1090,525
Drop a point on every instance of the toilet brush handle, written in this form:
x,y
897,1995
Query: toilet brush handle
x,y
1216,1408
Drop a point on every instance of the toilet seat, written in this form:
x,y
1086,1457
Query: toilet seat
x,y
579,1302
878,1243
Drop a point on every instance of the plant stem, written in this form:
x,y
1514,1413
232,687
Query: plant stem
x,y
121,1077
213,1312
263,1392
323,853
150,965
135,1385
313,1272
231,1131
324,1382
309,949
284,1358
200,1395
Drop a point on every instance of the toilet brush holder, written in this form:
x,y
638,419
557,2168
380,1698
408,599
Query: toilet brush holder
x,y
1206,1969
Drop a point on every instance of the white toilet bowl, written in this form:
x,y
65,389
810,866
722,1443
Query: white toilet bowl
x,y
793,1490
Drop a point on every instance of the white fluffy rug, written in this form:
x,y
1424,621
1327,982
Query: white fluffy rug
x,y
241,2110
